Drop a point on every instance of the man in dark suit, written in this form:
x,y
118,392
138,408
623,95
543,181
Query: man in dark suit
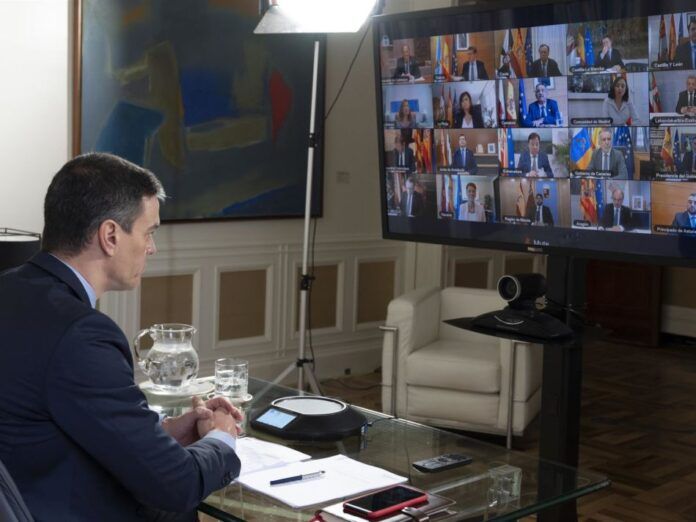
x,y
540,214
533,162
464,158
473,69
688,161
687,219
607,158
617,217
411,201
686,104
686,52
608,57
544,111
402,155
76,433
545,66
406,66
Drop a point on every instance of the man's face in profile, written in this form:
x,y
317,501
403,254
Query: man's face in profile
x,y
543,53
605,141
534,146
405,52
691,205
691,83
462,141
540,92
539,200
617,198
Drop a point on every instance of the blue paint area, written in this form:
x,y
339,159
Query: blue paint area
x,y
277,202
126,130
206,95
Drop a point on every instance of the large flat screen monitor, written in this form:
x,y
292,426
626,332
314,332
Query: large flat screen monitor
x,y
565,128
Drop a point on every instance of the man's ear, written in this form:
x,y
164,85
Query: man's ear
x,y
108,236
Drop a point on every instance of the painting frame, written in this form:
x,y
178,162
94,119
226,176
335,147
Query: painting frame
x,y
270,204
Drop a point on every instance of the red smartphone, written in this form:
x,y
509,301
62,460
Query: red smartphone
x,y
384,502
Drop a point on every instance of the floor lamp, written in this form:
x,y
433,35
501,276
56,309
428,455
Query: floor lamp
x,y
317,17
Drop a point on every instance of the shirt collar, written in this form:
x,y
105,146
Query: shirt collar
x,y
85,284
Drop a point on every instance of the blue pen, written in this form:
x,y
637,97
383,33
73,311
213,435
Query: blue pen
x,y
296,478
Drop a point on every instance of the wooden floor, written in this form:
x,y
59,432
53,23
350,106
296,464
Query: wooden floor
x,y
638,427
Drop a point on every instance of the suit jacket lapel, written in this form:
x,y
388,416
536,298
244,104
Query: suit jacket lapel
x,y
58,269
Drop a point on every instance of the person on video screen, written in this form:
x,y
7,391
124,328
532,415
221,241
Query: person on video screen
x,y
545,66
686,103
411,201
402,155
540,214
688,162
686,52
468,115
617,217
533,162
687,219
617,106
406,66
464,158
504,71
608,57
607,158
471,210
473,69
405,119
543,111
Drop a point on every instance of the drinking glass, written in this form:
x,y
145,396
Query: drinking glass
x,y
231,378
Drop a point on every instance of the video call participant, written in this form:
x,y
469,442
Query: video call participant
x,y
464,158
608,57
474,69
607,158
406,66
412,201
544,111
468,115
540,214
617,217
405,119
504,70
687,219
76,433
402,155
688,162
533,162
686,103
471,210
686,52
617,106
545,66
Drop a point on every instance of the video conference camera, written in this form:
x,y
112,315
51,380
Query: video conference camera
x,y
521,316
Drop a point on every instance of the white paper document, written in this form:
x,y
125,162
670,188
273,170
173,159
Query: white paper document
x,y
343,477
256,455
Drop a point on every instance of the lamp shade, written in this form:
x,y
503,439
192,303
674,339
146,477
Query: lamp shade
x,y
17,246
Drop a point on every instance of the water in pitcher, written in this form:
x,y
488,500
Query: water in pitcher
x,y
172,367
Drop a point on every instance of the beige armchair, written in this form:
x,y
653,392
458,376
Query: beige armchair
x,y
454,378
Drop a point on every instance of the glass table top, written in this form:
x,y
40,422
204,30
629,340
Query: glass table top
x,y
497,485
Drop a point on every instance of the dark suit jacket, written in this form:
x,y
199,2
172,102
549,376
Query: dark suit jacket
x,y
408,157
616,59
687,162
468,165
553,115
683,55
75,431
525,163
681,219
546,216
551,68
416,205
476,117
626,219
617,163
480,70
400,70
683,101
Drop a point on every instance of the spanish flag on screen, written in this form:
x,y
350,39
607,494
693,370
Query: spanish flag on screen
x,y
581,149
667,150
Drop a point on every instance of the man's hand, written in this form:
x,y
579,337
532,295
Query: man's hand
x,y
184,428
225,416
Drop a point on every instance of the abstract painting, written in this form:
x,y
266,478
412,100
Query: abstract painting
x,y
185,89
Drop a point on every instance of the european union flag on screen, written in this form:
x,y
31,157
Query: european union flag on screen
x,y
680,34
622,138
599,196
580,149
438,56
676,149
511,149
523,103
459,196
528,56
589,52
